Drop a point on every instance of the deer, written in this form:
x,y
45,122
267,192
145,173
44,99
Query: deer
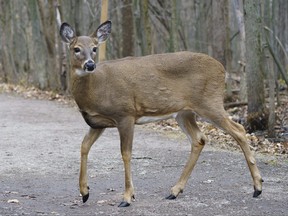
x,y
126,92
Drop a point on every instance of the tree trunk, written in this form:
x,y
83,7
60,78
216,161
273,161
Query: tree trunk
x,y
174,28
36,47
48,25
4,56
238,7
62,55
282,22
228,52
146,27
104,17
271,79
127,29
138,32
257,114
218,30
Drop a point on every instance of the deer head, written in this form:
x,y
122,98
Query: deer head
x,y
84,48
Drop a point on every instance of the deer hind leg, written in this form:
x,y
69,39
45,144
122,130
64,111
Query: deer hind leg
x,y
126,131
186,121
237,131
87,142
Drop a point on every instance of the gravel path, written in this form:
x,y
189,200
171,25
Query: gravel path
x,y
39,157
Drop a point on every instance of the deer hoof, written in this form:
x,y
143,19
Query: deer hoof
x,y
256,192
85,197
171,197
124,204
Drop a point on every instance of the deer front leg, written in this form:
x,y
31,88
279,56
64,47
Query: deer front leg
x,y
126,131
88,141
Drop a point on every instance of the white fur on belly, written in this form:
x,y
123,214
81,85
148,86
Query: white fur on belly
x,y
149,119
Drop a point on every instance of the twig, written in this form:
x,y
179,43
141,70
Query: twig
x,y
235,104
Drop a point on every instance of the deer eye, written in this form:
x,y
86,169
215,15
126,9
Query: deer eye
x,y
76,50
94,49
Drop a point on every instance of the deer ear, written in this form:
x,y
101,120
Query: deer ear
x,y
67,33
103,31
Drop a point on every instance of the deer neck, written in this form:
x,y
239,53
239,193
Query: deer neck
x,y
81,88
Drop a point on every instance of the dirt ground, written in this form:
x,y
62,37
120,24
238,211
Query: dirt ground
x,y
39,157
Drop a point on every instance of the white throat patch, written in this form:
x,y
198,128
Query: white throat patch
x,y
81,72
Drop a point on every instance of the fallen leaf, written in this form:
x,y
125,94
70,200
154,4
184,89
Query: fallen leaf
x,y
13,201
101,201
209,181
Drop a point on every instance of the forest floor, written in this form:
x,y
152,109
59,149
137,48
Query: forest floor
x,y
40,143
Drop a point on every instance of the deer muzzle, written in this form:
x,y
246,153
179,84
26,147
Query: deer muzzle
x,y
89,66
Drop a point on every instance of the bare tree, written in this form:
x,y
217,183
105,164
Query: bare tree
x,y
127,29
228,51
257,116
104,17
36,47
218,30
146,27
238,7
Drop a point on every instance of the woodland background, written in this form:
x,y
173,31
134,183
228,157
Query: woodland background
x,y
249,37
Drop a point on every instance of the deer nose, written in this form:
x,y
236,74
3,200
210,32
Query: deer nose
x,y
89,65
